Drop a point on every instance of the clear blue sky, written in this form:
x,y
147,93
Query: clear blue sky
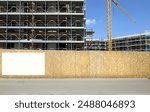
x,y
121,25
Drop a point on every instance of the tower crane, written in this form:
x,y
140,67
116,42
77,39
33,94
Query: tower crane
x,y
109,22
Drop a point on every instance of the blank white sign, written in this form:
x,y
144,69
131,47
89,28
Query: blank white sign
x,y
23,63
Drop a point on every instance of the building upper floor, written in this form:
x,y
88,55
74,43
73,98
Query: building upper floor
x,y
42,6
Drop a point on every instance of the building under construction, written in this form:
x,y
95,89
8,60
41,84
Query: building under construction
x,y
42,24
137,42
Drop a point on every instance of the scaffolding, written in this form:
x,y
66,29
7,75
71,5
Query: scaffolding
x,y
44,24
137,42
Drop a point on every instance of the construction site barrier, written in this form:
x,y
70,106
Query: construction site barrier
x,y
89,64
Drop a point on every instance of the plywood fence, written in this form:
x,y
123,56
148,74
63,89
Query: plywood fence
x,y
91,64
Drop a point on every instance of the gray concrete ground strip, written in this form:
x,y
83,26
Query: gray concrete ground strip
x,y
75,86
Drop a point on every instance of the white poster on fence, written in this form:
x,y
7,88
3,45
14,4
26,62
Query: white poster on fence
x,y
23,63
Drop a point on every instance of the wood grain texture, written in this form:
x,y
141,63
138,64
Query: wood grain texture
x,y
90,64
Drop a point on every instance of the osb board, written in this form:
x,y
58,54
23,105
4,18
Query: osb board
x,y
120,64
0,64
79,64
97,64
67,64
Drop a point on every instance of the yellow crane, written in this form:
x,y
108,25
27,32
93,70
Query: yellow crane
x,y
109,22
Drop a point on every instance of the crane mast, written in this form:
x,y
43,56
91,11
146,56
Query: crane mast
x,y
109,20
109,25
